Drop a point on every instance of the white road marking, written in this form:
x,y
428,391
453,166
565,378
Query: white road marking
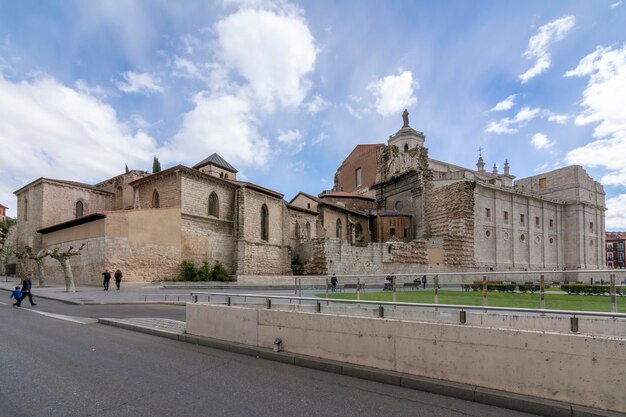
x,y
73,319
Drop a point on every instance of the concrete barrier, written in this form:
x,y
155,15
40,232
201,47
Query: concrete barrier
x,y
573,368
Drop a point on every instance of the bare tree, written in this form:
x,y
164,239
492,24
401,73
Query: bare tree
x,y
5,254
38,258
21,262
64,260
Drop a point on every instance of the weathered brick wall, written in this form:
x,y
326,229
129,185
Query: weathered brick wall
x,y
208,239
124,193
449,215
254,255
196,191
168,187
364,157
60,202
330,256
27,224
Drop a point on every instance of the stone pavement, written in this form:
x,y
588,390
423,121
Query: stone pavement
x,y
160,327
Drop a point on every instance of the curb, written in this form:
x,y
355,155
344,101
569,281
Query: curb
x,y
502,399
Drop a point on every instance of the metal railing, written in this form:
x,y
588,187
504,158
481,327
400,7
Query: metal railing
x,y
462,309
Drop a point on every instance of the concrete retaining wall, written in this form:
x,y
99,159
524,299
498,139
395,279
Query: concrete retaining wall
x,y
577,369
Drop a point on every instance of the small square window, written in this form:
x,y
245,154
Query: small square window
x,y
591,226
551,223
522,219
488,213
506,217
537,221
406,232
357,176
392,231
543,182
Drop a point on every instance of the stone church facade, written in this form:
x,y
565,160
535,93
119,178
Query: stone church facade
x,y
392,209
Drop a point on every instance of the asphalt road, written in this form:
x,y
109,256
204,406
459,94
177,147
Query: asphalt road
x,y
52,367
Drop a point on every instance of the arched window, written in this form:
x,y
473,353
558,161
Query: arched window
x,y
79,209
308,230
338,229
155,199
358,231
298,231
264,223
406,147
26,209
214,205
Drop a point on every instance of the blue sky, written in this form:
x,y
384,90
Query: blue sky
x,y
285,90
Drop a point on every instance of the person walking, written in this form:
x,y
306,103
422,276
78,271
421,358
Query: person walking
x,y
27,284
106,277
424,281
333,283
118,279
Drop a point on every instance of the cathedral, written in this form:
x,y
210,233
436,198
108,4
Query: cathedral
x,y
392,208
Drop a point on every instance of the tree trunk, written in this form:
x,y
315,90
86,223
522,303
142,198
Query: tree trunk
x,y
69,277
39,263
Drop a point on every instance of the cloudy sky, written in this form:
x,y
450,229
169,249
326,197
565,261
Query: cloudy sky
x,y
285,90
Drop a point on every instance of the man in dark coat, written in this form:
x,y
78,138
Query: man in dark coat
x,y
106,277
27,284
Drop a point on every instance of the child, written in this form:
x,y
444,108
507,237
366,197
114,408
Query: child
x,y
17,294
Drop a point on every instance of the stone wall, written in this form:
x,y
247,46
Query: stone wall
x,y
126,240
168,187
331,255
208,239
195,192
449,215
254,255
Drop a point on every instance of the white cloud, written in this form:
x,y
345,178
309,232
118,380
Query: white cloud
x,y
505,104
603,102
541,167
293,139
92,90
76,136
559,118
509,126
616,212
319,138
316,105
539,43
616,4
272,49
541,141
502,126
222,123
136,82
393,93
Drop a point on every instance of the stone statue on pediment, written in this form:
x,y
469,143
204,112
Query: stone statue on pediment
x,y
405,118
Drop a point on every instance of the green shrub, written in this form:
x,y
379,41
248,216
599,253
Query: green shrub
x,y
587,289
188,271
204,272
219,273
528,286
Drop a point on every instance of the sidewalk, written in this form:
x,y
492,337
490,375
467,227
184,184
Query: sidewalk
x,y
130,292
134,292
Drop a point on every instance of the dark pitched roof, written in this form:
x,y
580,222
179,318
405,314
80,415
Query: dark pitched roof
x,y
216,160
342,194
72,223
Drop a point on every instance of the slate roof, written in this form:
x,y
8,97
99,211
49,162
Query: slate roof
x,y
216,160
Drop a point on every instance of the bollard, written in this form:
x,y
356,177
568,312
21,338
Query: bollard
x,y
463,317
381,311
227,301
484,290
299,290
393,282
318,307
268,303
613,301
542,299
195,298
573,324
358,288
436,285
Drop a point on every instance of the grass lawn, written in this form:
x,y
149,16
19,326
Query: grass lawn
x,y
496,299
